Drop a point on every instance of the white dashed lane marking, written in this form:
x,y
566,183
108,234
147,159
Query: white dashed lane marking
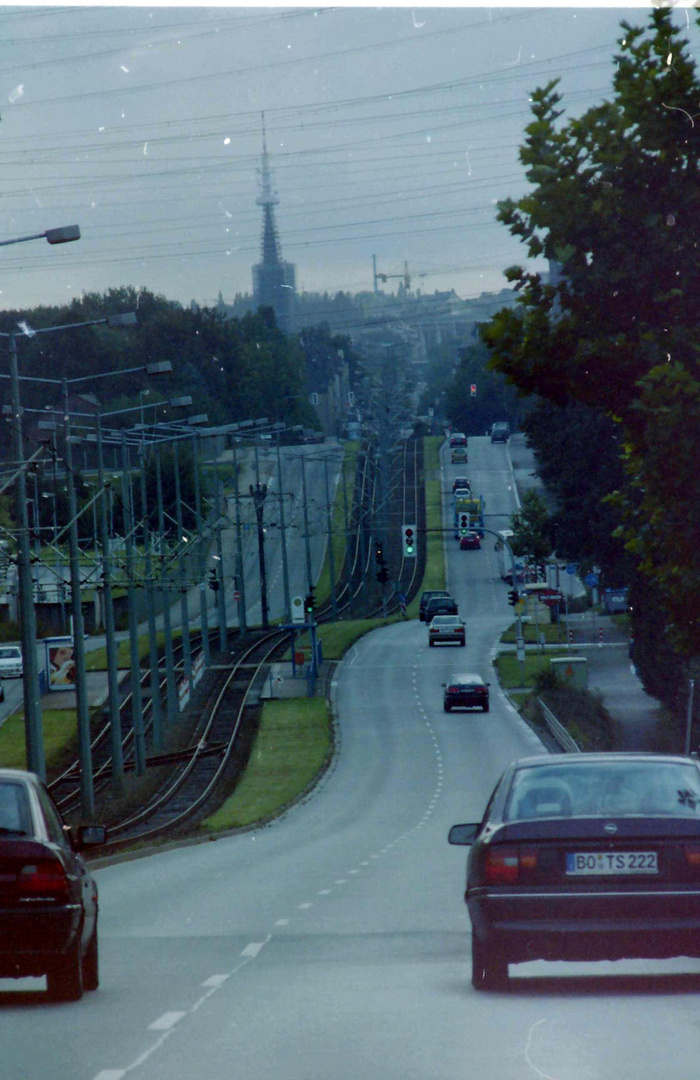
x,y
166,1021
253,949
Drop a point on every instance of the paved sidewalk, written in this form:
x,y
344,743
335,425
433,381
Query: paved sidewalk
x,y
610,671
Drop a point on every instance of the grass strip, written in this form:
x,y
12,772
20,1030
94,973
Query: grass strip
x,y
292,744
434,573
60,728
554,633
513,673
336,638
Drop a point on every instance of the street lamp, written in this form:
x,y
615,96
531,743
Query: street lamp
x,y
65,234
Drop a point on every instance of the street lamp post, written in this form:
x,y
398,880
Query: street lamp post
x,y
87,794
34,741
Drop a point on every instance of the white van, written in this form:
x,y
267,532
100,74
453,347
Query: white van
x,y
11,665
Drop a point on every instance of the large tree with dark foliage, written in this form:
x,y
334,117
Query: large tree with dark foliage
x,y
615,205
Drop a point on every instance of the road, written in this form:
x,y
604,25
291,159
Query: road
x,y
334,943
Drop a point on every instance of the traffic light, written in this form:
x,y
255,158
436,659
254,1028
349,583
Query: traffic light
x,y
383,575
379,552
213,580
310,602
513,597
464,524
472,389
408,539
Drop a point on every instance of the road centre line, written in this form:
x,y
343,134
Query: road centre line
x,y
254,948
166,1021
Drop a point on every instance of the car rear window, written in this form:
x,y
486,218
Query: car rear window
x,y
14,807
605,789
10,654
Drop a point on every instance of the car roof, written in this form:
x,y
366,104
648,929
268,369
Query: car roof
x,y
468,678
19,774
447,618
602,757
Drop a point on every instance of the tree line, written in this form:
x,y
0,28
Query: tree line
x,y
606,347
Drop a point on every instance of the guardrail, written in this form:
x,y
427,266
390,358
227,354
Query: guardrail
x,y
558,730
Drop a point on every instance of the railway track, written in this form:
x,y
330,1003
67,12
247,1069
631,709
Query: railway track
x,y
196,773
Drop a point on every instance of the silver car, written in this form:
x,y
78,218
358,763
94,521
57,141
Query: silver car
x,y
447,628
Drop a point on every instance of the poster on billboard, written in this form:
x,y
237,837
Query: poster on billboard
x,y
60,663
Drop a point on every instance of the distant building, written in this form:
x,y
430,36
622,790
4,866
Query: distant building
x,y
274,280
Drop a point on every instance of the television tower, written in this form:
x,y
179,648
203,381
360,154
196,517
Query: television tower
x,y
274,280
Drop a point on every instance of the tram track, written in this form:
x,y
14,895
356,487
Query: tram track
x,y
196,771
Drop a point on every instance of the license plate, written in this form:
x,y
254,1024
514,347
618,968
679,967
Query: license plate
x,y
580,863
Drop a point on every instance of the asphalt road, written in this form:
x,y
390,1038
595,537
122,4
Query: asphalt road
x,y
334,943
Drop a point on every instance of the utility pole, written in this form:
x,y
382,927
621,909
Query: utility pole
x,y
285,566
33,728
134,659
115,729
309,579
331,553
258,493
156,713
173,704
183,560
240,568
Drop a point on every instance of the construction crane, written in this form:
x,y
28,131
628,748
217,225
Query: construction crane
x,y
385,277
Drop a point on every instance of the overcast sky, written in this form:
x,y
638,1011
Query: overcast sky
x,y
392,132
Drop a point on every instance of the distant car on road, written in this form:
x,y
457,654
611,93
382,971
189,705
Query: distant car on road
x,y
461,482
470,542
440,605
585,857
48,898
11,663
425,597
446,628
458,455
500,432
466,691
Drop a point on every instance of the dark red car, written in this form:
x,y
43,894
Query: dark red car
x,y
470,542
466,692
585,857
48,898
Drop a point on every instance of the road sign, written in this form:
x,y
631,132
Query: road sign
x,y
236,596
572,568
298,614
591,580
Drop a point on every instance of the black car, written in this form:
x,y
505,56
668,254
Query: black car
x,y
585,857
425,597
440,605
500,432
48,898
466,692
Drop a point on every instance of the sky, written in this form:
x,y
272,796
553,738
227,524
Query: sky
x,y
392,132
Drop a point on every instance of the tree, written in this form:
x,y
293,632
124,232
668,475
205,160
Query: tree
x,y
615,207
532,528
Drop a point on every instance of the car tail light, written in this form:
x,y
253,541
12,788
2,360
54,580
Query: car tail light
x,y
504,865
501,866
44,879
692,856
